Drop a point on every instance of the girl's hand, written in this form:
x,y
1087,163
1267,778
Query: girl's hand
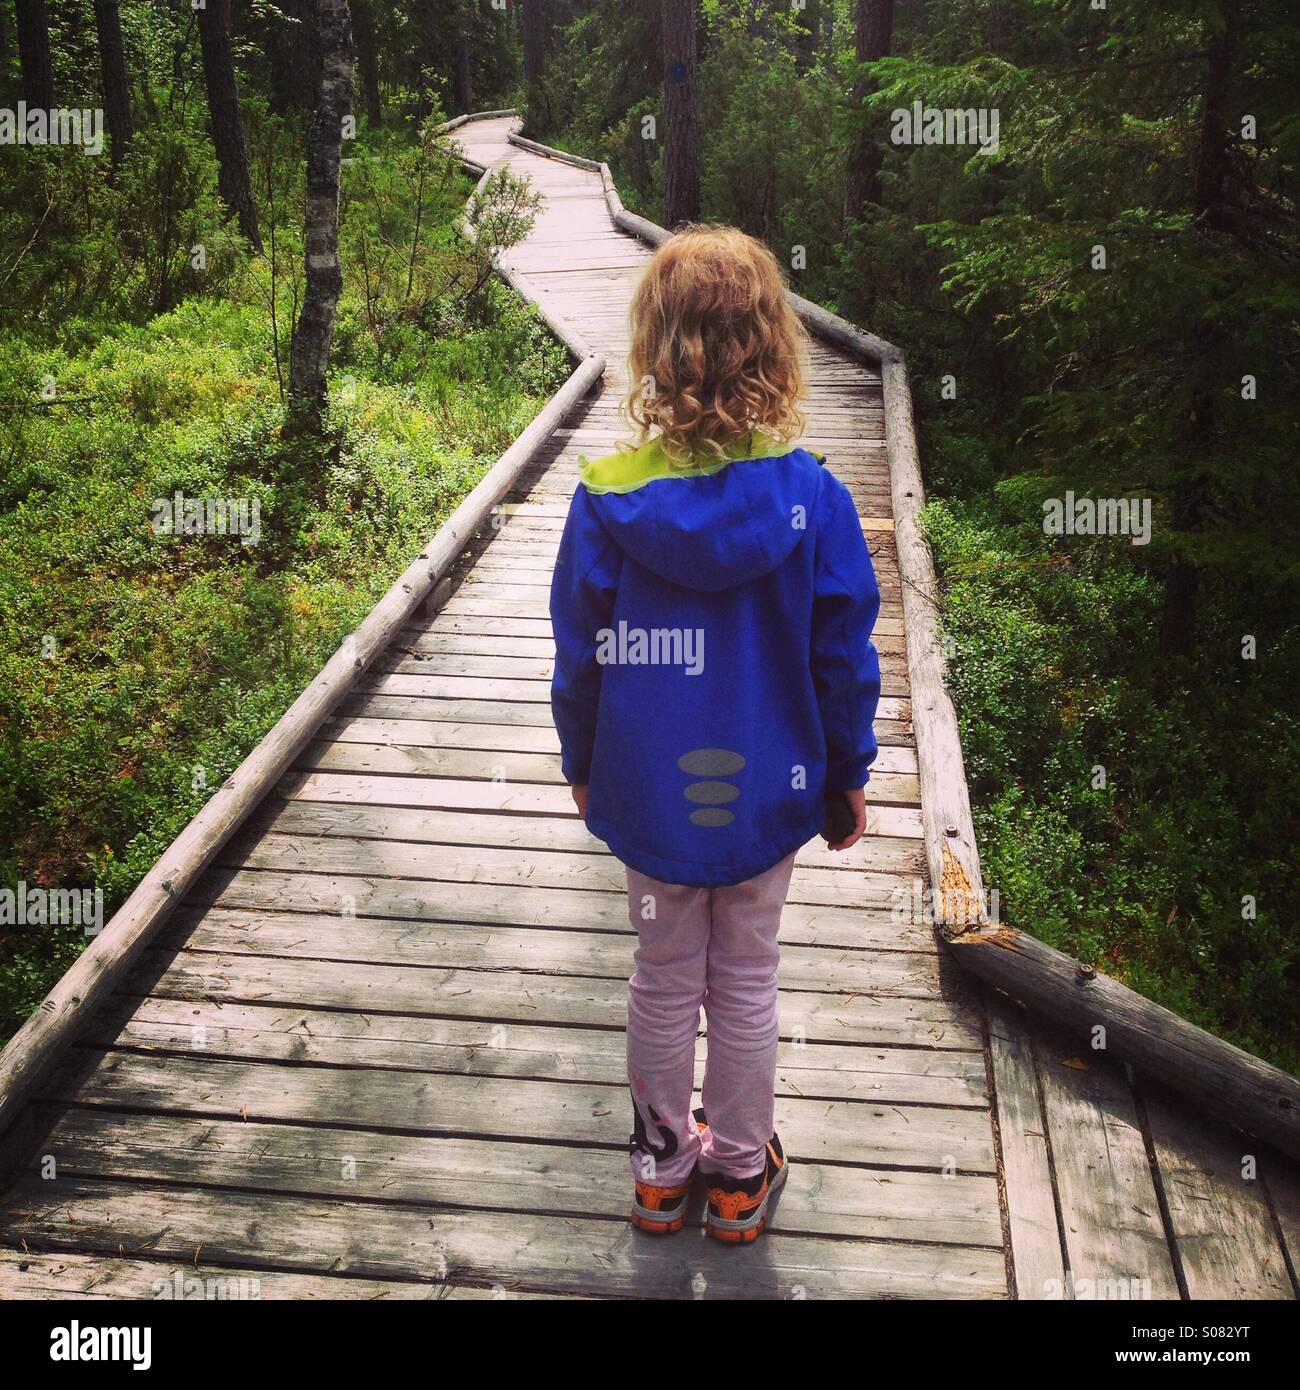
x,y
580,799
858,801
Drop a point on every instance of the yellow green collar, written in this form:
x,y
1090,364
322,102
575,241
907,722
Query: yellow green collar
x,y
629,469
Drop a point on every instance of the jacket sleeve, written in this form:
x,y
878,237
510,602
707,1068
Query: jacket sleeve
x,y
845,667
583,588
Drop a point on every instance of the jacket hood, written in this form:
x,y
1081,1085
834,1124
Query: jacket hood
x,y
712,525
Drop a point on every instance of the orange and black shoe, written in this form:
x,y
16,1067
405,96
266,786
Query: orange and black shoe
x,y
737,1209
659,1210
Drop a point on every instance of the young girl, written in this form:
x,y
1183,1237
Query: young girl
x,y
713,602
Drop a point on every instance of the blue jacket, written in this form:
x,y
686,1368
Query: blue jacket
x,y
714,669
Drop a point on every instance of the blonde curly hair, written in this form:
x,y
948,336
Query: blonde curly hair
x,y
717,352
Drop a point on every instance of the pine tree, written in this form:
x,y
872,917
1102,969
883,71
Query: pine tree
x,y
34,54
226,121
681,114
117,89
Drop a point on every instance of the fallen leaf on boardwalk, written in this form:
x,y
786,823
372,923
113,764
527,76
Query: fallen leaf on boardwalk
x,y
197,1249
1076,1064
243,1112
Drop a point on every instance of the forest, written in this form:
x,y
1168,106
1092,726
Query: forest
x,y
1093,272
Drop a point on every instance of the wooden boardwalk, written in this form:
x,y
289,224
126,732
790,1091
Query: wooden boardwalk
x,y
379,1049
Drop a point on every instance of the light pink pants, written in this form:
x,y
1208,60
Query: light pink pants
x,y
714,947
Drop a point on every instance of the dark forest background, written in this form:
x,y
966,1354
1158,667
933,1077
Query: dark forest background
x,y
1107,305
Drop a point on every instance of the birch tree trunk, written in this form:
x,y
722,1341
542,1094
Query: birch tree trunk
x,y
309,355
227,124
681,115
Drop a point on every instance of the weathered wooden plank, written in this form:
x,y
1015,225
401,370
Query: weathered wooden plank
x,y
894,894
514,666
1114,1236
438,643
876,852
889,732
524,1251
1026,1161
606,955
463,1172
506,1108
506,996
574,909
473,622
522,692
533,602
1222,1227
510,769
254,1032
30,1275
468,711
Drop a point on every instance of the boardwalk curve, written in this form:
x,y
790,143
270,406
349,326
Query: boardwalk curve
x,y
377,1050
